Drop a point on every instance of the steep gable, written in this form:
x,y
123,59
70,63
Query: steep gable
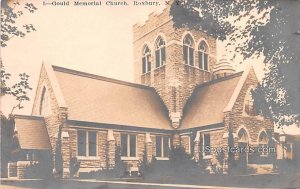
x,y
47,80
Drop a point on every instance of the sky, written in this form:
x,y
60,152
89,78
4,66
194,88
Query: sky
x,y
96,40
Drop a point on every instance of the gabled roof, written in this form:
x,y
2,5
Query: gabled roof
x,y
32,132
99,99
207,103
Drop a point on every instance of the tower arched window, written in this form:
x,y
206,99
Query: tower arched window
x,y
44,104
160,52
146,64
203,56
188,50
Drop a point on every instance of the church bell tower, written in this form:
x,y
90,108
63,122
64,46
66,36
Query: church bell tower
x,y
172,60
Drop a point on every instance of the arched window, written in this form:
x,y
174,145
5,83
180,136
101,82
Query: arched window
x,y
160,52
44,106
188,50
242,136
248,103
203,56
243,142
146,64
263,144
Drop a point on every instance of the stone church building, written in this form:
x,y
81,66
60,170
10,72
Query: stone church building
x,y
182,96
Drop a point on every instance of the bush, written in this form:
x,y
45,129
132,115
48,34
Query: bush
x,y
117,171
144,165
180,165
36,170
74,166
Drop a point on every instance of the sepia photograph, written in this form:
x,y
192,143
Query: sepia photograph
x,y
150,94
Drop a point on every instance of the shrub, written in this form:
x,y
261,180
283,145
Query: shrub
x,y
116,172
74,166
180,165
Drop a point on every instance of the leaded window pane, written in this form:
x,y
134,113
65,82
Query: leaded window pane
x,y
92,143
132,145
124,144
185,54
163,55
158,146
157,58
200,59
205,61
166,146
81,142
191,56
206,143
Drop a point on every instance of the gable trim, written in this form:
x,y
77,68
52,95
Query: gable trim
x,y
237,89
55,86
97,77
75,123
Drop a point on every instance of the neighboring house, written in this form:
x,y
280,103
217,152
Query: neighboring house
x,y
289,147
182,97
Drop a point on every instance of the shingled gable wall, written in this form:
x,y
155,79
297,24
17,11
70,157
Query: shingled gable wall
x,y
163,78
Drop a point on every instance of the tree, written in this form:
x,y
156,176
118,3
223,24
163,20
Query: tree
x,y
9,16
19,90
255,28
9,28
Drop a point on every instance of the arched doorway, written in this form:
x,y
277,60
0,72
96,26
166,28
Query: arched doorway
x,y
243,145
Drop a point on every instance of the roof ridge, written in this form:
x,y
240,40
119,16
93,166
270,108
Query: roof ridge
x,y
220,79
28,116
98,77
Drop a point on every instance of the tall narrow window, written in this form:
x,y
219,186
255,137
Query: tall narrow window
x,y
92,143
203,56
160,52
188,50
158,146
206,144
44,103
81,142
86,143
162,146
128,145
146,64
124,144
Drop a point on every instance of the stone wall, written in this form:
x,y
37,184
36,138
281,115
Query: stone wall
x,y
216,138
185,143
252,124
52,118
12,169
103,146
55,117
237,118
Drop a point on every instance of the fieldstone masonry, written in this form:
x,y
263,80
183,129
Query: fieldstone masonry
x,y
111,147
